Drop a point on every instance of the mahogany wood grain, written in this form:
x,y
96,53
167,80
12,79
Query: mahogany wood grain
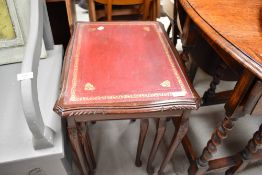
x,y
233,29
238,32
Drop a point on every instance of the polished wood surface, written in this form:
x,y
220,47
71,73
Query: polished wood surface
x,y
233,30
234,25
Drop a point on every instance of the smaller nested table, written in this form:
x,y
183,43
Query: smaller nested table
x,y
122,70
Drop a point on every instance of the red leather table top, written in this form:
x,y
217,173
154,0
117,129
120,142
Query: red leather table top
x,y
121,64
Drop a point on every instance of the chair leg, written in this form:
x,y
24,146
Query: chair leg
x,y
251,148
180,132
157,8
161,128
76,146
92,10
143,131
146,9
153,6
109,10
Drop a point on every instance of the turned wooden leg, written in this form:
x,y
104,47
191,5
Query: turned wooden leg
x,y
180,132
161,128
246,155
76,146
143,131
216,80
220,133
234,110
86,143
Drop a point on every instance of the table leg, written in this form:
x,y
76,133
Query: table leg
x,y
246,155
192,71
217,137
76,146
161,128
216,80
233,112
86,143
143,131
180,132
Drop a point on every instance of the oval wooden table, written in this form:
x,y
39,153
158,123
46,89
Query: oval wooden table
x,y
233,28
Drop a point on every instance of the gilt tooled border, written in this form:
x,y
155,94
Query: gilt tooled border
x,y
73,96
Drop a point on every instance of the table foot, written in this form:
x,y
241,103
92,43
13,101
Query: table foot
x,y
138,163
150,170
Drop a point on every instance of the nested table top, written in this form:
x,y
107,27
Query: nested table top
x,y
127,66
235,25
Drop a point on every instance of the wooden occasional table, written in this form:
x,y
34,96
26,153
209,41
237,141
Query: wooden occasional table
x,y
121,70
233,29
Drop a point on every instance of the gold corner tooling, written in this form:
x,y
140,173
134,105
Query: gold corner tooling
x,y
166,83
89,87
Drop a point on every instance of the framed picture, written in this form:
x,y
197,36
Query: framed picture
x,y
10,31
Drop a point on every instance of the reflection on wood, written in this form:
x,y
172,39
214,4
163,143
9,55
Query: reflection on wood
x,y
6,27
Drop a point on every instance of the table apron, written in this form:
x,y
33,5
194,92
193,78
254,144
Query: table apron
x,y
102,117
